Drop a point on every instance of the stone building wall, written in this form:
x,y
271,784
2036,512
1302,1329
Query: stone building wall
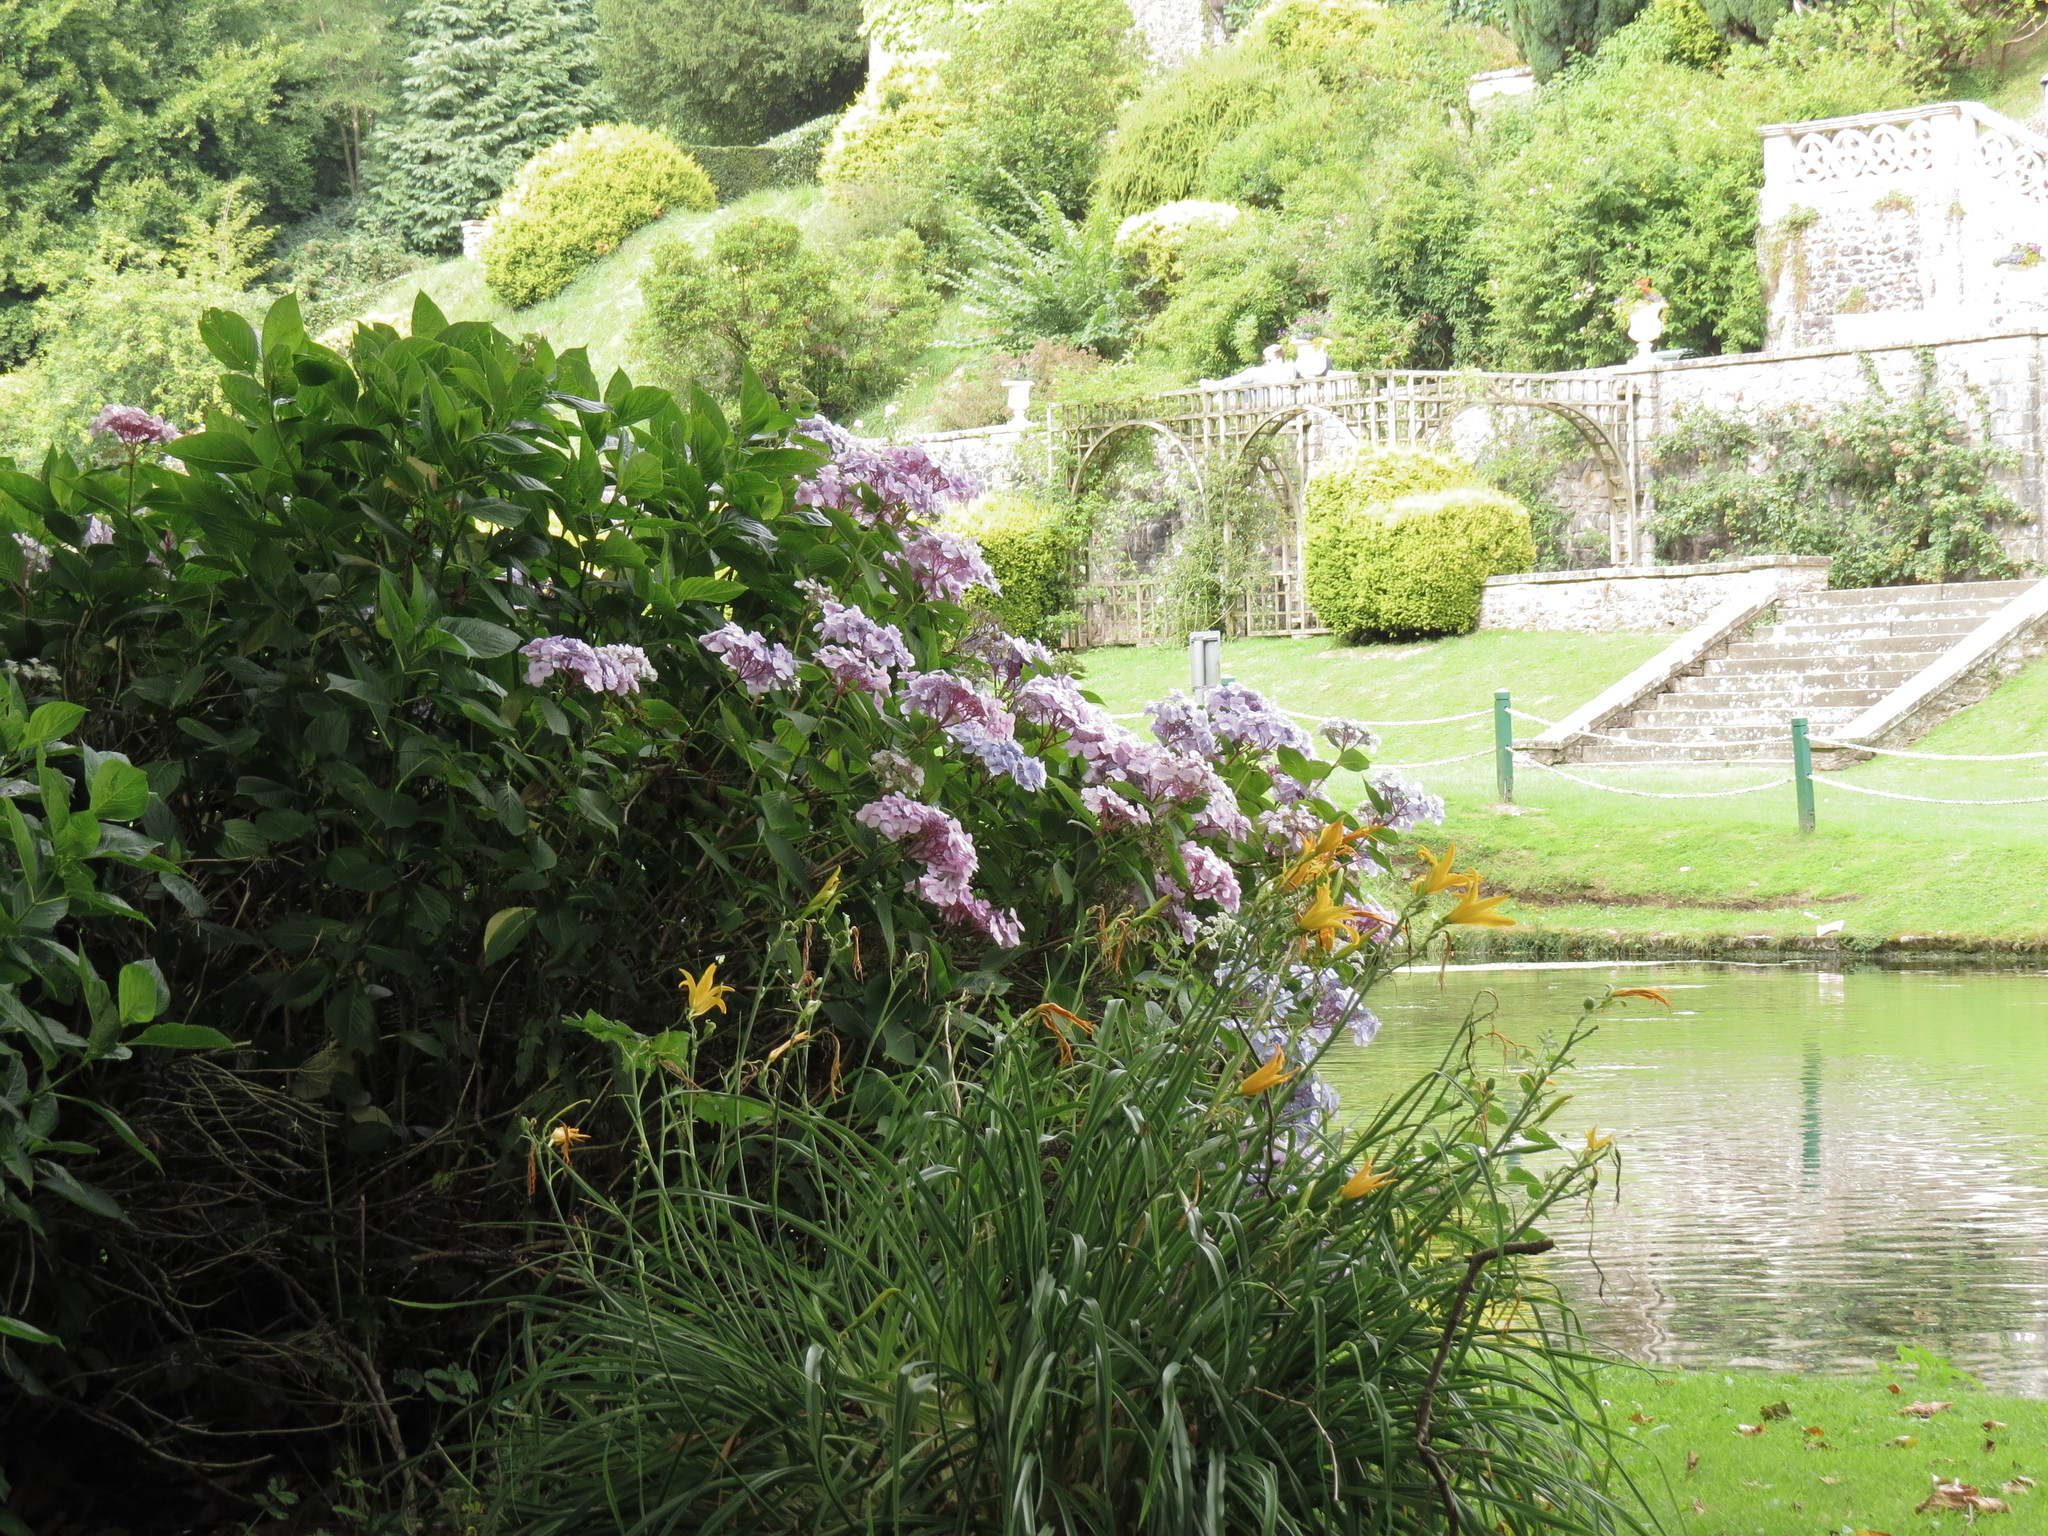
x,y
1638,599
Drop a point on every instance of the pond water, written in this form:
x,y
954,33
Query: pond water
x,y
1817,1168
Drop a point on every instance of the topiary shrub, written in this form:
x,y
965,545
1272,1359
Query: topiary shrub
x,y
576,200
1031,549
821,328
1400,540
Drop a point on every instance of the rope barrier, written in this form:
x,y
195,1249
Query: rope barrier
x,y
1933,757
1886,794
1463,757
1653,794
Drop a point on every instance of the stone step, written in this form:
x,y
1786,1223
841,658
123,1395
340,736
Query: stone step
x,y
1732,725
1993,592
1692,693
1600,752
1802,633
1875,658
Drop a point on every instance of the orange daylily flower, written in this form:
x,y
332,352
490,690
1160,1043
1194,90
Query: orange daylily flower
x,y
566,1139
1440,875
1319,853
1050,1014
1364,1182
1325,920
706,991
1596,1139
1475,911
1271,1075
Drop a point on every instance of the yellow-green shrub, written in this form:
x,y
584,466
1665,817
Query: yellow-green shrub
x,y
1400,541
576,200
1155,243
902,108
1318,24
1031,549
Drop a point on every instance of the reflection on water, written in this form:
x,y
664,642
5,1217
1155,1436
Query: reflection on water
x,y
1816,1167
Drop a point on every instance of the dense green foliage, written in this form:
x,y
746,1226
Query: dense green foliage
x,y
788,160
1400,541
1059,281
729,71
488,84
1042,80
1032,547
830,328
1895,488
575,201
1093,1285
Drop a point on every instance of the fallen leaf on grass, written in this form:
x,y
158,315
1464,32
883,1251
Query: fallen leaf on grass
x,y
1960,1495
1990,1445
1926,1410
1831,1481
1796,1505
1814,1430
1750,1482
1642,1418
1893,1386
1749,1429
1861,1532
1904,1442
1692,1462
1775,1411
1994,1424
2018,1485
1698,1508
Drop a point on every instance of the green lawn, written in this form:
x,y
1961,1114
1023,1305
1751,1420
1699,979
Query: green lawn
x,y
1621,871
1868,1469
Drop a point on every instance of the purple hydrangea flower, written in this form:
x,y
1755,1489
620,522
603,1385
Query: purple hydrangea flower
x,y
1007,656
1243,717
98,531
946,698
1289,790
945,564
1054,699
614,669
1220,818
35,556
1345,734
909,484
948,854
758,665
1113,810
134,426
1285,828
1181,725
1000,754
861,651
1209,878
1407,802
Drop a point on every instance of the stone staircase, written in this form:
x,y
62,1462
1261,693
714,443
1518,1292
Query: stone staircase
x,y
1828,656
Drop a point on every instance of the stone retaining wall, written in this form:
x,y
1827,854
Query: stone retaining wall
x,y
1640,599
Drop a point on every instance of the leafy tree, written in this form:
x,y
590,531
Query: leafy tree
x,y
1551,33
1043,80
348,55
730,71
98,95
488,84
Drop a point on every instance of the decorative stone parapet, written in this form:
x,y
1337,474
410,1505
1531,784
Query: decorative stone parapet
x,y
1640,598
1903,226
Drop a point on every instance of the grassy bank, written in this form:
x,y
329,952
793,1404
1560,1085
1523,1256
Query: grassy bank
x,y
1596,872
1867,1470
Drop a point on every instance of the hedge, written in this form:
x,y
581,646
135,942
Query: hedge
x,y
787,160
1032,553
1400,541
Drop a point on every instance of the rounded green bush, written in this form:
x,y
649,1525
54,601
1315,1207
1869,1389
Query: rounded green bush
x,y
576,200
1031,549
1401,540
1165,138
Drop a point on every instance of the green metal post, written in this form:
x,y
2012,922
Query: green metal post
x,y
1503,747
1802,774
